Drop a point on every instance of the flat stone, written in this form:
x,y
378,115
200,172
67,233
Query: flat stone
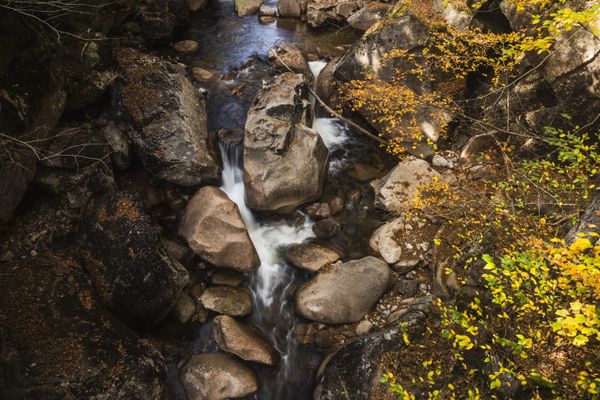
x,y
311,256
186,47
236,337
232,301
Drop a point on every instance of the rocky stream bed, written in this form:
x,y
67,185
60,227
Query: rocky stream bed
x,y
199,227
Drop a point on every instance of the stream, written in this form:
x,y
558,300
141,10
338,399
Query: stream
x,y
235,49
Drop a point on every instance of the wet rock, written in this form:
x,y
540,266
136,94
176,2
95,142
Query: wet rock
x,y
305,333
343,292
213,228
52,325
226,278
196,5
201,74
318,211
327,228
365,173
186,47
232,301
336,205
289,8
236,337
160,18
325,81
165,118
311,256
185,308
247,7
285,162
268,10
288,56
216,376
127,261
233,136
364,18
395,191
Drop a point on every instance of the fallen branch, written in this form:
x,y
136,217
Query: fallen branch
x,y
346,120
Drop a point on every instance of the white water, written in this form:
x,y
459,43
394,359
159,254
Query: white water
x,y
273,310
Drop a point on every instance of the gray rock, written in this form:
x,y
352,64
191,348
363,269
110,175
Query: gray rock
x,y
216,376
286,56
213,228
311,256
322,12
232,301
268,10
289,8
588,225
343,292
166,119
285,162
118,143
406,287
247,7
236,337
395,191
364,18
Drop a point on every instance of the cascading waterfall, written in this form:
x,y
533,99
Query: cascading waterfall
x,y
271,285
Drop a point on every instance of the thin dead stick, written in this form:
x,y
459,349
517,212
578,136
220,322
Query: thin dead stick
x,y
346,120
332,111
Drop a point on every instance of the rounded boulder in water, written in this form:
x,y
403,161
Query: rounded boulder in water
x,y
343,293
215,231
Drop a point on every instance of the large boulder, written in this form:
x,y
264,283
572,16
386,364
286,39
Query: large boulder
x,y
285,162
364,18
396,191
369,55
165,118
358,367
236,337
58,342
343,292
213,228
216,376
129,266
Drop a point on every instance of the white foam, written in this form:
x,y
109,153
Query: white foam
x,y
333,131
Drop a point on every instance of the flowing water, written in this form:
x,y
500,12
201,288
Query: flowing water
x,y
235,49
272,284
